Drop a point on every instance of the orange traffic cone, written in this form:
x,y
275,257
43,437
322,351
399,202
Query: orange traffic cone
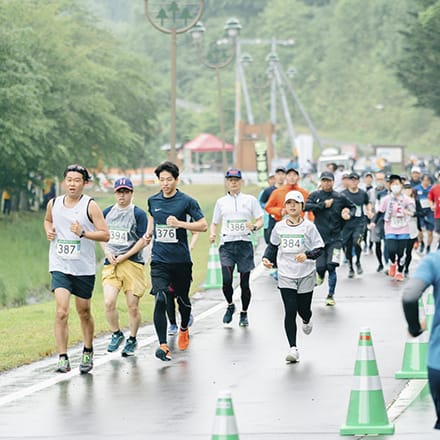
x,y
225,426
366,410
214,276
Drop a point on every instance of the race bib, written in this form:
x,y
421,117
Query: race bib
x,y
68,249
236,227
292,243
398,222
118,236
336,256
166,234
425,203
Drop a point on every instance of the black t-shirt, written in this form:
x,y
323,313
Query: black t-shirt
x,y
359,198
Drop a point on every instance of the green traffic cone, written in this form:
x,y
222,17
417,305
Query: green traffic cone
x,y
429,310
415,356
225,426
214,276
366,410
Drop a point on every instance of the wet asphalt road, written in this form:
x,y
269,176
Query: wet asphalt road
x,y
144,398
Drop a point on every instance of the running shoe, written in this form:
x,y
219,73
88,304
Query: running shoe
x,y
329,301
422,247
173,329
130,347
63,365
243,320
392,271
115,342
86,362
359,269
307,327
183,339
350,272
398,276
227,318
379,268
163,353
293,355
318,280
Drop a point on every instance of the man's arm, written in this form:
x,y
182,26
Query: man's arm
x,y
413,290
102,233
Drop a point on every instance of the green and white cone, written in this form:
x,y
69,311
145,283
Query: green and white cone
x,y
225,426
429,310
366,410
214,276
415,356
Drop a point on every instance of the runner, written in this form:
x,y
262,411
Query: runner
x,y
170,257
354,229
280,177
236,212
397,209
426,275
124,264
294,246
331,210
377,230
73,222
434,197
427,215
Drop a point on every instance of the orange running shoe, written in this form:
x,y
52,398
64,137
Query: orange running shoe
x,y
163,353
183,339
393,268
398,276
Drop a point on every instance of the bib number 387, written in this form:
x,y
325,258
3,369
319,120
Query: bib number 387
x,y
68,249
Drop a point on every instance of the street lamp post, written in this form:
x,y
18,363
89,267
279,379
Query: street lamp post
x,y
180,16
232,28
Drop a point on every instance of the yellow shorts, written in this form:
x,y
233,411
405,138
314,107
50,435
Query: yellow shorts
x,y
128,275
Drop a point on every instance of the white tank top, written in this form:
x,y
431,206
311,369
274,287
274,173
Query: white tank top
x,y
68,253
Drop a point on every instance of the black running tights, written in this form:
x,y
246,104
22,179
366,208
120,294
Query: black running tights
x,y
228,289
295,303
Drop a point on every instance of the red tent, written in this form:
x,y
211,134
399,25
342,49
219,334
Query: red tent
x,y
204,143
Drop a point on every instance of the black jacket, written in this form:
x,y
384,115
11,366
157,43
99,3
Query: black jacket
x,y
328,220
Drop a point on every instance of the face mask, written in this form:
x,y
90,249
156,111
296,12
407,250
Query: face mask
x,y
395,189
380,185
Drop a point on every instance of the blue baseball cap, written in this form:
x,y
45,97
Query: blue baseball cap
x,y
123,182
233,172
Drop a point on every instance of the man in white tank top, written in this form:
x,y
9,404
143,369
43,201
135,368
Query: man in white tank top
x,y
72,223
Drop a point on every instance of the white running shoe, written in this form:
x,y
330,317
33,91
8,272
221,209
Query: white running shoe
x,y
307,328
293,355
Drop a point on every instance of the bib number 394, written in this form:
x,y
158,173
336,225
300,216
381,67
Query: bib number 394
x,y
166,234
68,249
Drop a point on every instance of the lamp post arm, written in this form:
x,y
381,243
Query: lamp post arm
x,y
166,30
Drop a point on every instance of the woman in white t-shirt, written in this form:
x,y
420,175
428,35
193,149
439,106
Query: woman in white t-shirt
x,y
295,244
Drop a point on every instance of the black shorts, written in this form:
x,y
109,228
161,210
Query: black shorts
x,y
330,256
179,275
240,253
78,285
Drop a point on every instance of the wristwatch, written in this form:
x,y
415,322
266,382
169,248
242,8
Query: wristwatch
x,y
254,228
83,233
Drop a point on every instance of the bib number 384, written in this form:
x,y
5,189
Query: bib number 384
x,y
68,249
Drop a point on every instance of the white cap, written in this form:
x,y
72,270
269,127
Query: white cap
x,y
294,195
416,169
